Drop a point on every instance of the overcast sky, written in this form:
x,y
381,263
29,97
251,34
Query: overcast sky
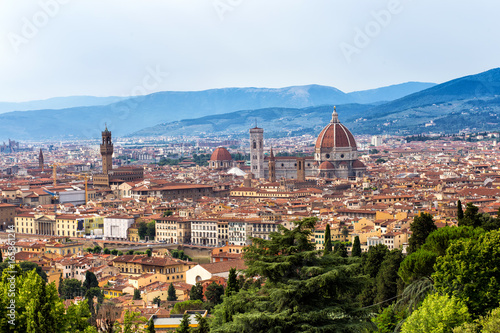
x,y
51,48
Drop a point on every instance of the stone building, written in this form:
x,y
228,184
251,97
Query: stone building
x,y
335,156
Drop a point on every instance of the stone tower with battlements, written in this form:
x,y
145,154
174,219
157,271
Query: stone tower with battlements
x,y
106,152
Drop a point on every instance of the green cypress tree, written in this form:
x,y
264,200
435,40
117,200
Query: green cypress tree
x,y
460,211
232,283
196,292
137,294
184,325
171,293
151,327
356,247
328,240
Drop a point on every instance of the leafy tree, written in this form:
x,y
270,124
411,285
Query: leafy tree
x,y
232,284
387,320
373,259
37,305
302,291
142,230
26,266
328,239
460,211
77,317
214,293
149,252
182,307
417,265
130,252
486,324
356,247
171,293
151,230
469,271
471,216
439,241
389,284
203,326
157,301
184,325
151,326
90,281
133,322
439,314
120,253
371,266
137,294
114,252
340,249
97,249
167,213
89,250
1,259
89,296
71,288
345,232
196,292
421,227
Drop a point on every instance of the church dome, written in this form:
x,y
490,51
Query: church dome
x,y
221,154
326,165
335,135
358,164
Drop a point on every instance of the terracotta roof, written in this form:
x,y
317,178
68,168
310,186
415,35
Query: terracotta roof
x,y
224,266
221,154
335,135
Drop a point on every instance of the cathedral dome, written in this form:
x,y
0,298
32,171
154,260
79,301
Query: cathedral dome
x,y
335,135
358,164
326,165
221,154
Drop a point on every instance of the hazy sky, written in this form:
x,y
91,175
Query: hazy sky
x,y
52,48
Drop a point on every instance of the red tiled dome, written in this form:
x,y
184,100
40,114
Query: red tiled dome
x,y
358,164
326,165
221,154
335,135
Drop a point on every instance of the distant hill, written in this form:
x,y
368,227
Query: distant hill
x,y
471,102
277,122
58,103
133,114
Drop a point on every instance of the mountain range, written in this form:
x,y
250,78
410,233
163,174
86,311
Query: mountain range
x,y
471,102
133,114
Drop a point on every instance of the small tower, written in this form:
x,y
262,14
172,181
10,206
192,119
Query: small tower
x,y
257,152
106,152
301,173
40,160
272,167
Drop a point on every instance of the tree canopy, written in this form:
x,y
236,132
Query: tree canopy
x,y
303,290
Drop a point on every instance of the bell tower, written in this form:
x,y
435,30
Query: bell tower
x,y
106,152
272,167
40,160
257,151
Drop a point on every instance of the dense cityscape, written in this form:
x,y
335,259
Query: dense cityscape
x,y
232,166
152,233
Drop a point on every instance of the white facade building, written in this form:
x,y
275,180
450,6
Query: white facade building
x,y
116,226
204,233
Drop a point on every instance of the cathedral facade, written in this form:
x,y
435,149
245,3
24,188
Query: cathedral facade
x,y
335,156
